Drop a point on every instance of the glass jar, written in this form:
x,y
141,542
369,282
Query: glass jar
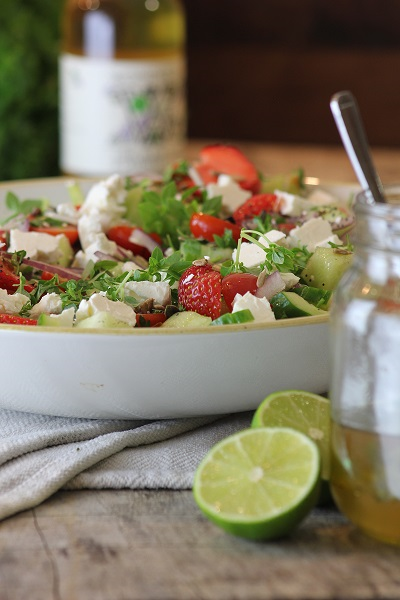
x,y
365,386
122,86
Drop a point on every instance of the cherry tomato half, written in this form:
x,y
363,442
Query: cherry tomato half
x,y
70,231
206,227
237,283
120,234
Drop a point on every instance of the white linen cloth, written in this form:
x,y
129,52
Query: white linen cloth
x,y
41,454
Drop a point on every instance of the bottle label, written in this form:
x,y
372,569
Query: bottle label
x,y
121,116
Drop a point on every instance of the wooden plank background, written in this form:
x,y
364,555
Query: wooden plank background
x,y
265,70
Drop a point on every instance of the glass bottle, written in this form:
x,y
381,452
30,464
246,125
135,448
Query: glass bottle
x,y
122,86
365,387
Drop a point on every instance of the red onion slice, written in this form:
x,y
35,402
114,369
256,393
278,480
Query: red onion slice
x,y
272,285
141,238
65,272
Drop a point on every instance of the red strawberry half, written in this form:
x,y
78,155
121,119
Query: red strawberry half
x,y
254,206
221,158
199,290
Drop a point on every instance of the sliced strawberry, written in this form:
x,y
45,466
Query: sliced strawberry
x,y
254,206
220,158
237,283
16,320
8,279
199,290
206,173
3,238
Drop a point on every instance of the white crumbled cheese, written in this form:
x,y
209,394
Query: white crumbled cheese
x,y
67,212
290,280
89,227
105,196
103,206
128,266
11,304
64,319
250,255
160,291
100,243
314,232
274,236
53,249
291,205
260,308
321,198
232,194
100,303
48,304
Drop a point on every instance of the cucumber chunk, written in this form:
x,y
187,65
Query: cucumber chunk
x,y
317,296
183,320
241,316
64,319
102,320
290,304
325,267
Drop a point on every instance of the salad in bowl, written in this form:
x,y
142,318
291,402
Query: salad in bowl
x,y
210,243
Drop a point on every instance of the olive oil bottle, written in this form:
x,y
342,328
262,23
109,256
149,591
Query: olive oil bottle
x,y
122,86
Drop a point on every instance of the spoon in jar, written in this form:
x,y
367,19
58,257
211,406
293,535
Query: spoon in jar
x,y
348,120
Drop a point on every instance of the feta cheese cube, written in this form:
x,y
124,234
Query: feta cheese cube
x,y
260,308
100,243
98,302
160,291
11,304
105,196
53,249
321,198
48,304
291,205
250,255
103,206
274,236
232,194
314,232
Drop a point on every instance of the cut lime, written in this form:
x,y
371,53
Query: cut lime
x,y
300,410
259,483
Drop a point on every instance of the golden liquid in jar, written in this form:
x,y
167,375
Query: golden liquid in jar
x,y
365,469
142,28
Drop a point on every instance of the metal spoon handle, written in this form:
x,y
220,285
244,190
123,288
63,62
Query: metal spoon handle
x,y
351,129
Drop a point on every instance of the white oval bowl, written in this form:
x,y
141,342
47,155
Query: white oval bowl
x,y
155,373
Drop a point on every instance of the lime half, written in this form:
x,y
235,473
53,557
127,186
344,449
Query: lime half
x,y
259,483
300,410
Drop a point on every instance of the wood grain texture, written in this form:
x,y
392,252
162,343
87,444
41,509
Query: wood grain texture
x,y
141,545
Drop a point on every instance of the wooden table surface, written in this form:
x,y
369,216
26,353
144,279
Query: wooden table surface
x,y
153,545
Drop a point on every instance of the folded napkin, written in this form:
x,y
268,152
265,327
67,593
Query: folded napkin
x,y
41,454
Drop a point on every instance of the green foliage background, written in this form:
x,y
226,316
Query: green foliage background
x,y
29,47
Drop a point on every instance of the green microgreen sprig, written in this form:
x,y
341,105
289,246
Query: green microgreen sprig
x,y
22,207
